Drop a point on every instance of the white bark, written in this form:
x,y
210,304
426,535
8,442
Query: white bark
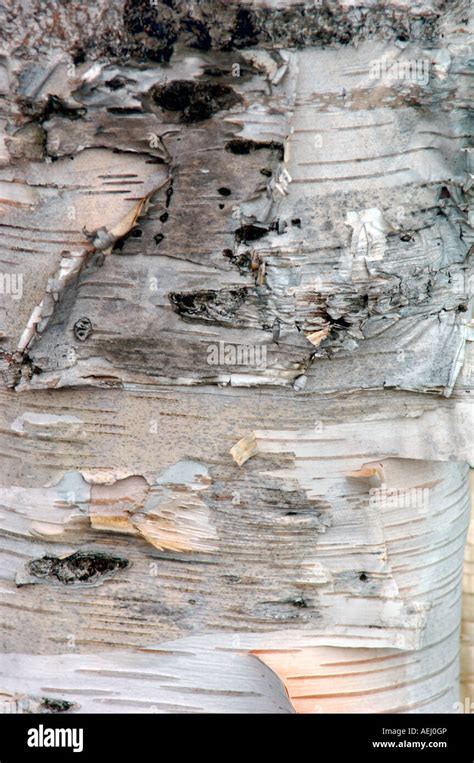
x,y
306,501
467,633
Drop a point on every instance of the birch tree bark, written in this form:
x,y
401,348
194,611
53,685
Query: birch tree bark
x,y
467,635
236,418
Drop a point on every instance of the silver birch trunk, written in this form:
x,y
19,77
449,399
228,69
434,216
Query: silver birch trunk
x,y
236,335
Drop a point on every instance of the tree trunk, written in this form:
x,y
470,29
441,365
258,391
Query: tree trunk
x,y
237,356
467,642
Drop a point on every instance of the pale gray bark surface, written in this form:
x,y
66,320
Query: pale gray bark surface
x,y
244,182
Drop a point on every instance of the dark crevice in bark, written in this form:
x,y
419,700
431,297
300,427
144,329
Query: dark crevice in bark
x,y
51,705
79,567
217,306
242,146
196,101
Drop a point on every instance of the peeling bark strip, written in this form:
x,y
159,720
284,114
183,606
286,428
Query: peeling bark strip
x,y
237,351
102,240
148,682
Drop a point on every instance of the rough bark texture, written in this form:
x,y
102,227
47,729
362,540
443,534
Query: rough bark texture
x,y
467,633
236,334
